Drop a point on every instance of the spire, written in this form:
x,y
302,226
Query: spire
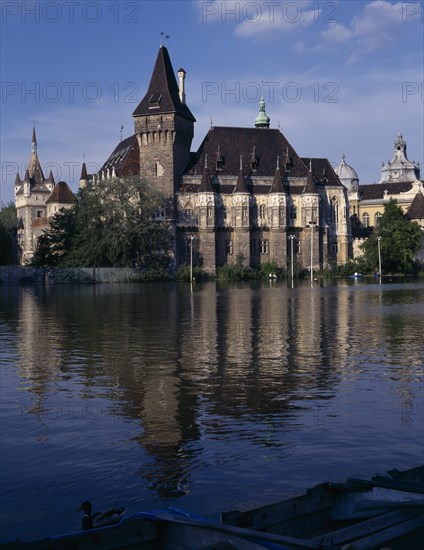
x,y
262,120
241,186
34,141
163,94
34,167
83,172
27,179
277,184
17,180
206,183
51,178
310,187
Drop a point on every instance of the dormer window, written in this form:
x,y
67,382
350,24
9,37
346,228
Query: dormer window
x,y
154,101
287,161
220,160
254,161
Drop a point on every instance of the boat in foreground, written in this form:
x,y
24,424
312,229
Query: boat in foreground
x,y
384,512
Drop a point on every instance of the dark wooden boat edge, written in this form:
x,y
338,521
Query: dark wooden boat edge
x,y
282,525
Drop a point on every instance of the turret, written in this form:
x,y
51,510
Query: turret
x,y
181,81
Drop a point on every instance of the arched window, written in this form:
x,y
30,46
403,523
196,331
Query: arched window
x,y
377,219
334,210
365,219
262,212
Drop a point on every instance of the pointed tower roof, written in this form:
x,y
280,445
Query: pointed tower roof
x,y
17,180
51,178
163,94
34,140
34,167
241,186
206,183
277,184
62,194
310,187
84,174
27,178
262,120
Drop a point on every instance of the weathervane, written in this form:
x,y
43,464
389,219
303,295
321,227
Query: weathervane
x,y
162,39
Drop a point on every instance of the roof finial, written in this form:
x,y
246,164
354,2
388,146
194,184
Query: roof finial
x,y
211,125
310,165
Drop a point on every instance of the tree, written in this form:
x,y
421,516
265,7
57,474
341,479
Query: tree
x,y
113,224
55,245
400,241
8,225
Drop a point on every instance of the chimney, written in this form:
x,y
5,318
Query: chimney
x,y
181,79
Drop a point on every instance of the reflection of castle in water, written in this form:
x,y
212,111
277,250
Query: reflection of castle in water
x,y
173,360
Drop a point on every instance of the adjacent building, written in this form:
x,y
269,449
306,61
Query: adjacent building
x,y
400,180
37,199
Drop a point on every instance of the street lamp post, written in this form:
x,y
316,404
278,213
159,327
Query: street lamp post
x,y
379,258
292,238
191,258
312,225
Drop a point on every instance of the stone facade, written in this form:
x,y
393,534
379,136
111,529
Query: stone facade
x,y
239,197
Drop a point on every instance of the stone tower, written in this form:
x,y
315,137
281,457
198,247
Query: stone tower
x,y
164,127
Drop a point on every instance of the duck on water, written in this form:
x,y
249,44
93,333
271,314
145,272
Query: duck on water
x,y
99,519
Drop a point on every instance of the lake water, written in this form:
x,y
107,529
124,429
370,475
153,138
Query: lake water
x,y
216,398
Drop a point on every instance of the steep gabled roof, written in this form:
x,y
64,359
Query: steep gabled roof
x,y
416,210
376,191
322,171
124,160
62,194
163,95
229,143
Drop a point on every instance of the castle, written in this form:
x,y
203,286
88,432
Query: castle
x,y
241,196
37,199
244,197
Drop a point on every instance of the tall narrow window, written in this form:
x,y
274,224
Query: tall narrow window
x,y
365,219
264,246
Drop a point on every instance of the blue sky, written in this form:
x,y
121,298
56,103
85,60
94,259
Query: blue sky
x,y
339,76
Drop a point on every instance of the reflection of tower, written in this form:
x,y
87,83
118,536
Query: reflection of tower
x,y
37,362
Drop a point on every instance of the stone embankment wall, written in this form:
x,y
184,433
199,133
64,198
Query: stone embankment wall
x,y
15,275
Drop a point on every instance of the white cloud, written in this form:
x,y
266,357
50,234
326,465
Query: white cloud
x,y
380,23
259,18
